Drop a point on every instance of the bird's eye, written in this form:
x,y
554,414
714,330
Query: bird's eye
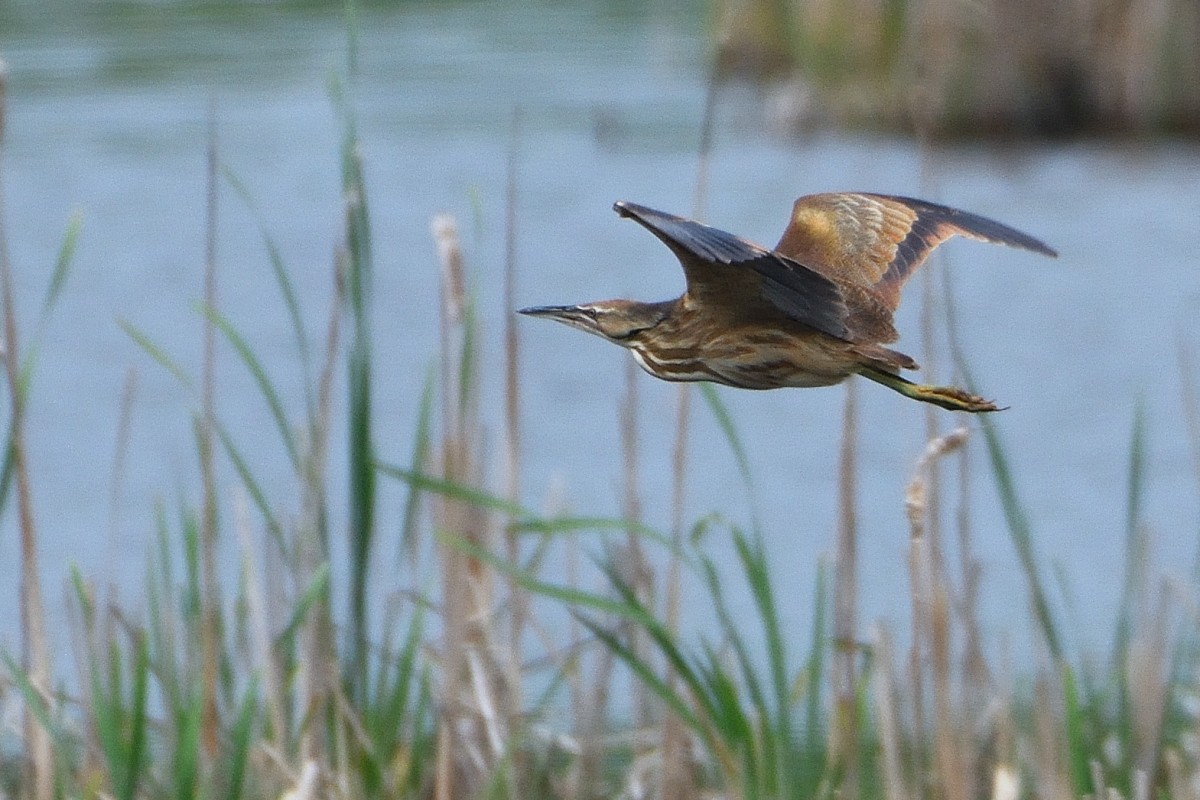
x,y
591,312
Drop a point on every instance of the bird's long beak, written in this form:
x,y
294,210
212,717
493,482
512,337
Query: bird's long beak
x,y
574,316
569,314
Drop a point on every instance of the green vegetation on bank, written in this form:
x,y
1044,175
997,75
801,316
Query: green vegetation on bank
x,y
1021,68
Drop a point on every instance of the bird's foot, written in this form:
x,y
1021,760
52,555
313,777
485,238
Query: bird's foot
x,y
944,396
951,398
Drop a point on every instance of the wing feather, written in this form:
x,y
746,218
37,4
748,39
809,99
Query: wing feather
x,y
877,241
728,271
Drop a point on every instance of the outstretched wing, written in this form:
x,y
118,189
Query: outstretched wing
x,y
877,241
725,271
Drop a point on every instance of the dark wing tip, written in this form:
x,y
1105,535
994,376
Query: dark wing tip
x,y
691,239
1000,233
645,215
1041,247
976,224
628,210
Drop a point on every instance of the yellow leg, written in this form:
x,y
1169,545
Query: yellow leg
x,y
944,396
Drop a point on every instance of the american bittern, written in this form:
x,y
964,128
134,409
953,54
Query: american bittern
x,y
813,311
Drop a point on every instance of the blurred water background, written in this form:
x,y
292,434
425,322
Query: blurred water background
x,y
107,107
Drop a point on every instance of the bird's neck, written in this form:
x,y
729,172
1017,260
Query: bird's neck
x,y
679,317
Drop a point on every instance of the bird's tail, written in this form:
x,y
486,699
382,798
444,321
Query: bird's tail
x,y
883,359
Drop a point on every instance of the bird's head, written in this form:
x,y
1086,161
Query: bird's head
x,y
618,321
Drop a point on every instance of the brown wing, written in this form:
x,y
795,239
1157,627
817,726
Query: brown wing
x,y
728,272
876,241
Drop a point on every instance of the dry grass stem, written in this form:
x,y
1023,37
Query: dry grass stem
x,y
676,769
307,785
477,699
1148,671
887,717
518,599
210,646
636,567
256,615
955,767
454,294
916,495
845,593
1006,783
1047,755
35,654
316,670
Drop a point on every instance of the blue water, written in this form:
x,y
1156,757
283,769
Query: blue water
x,y
106,115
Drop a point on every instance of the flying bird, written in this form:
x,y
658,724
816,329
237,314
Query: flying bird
x,y
813,311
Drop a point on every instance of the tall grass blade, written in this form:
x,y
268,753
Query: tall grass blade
x,y
35,704
240,743
62,264
362,501
563,593
162,634
265,387
316,590
1021,532
753,559
231,449
1080,753
561,525
770,750
645,673
467,368
156,353
720,412
286,289
810,765
396,718
121,455
138,721
29,359
733,630
524,519
422,441
188,719
359,279
1135,542
242,467
1019,528
6,469
454,490
120,728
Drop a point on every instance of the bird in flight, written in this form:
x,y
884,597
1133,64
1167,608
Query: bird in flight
x,y
810,312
